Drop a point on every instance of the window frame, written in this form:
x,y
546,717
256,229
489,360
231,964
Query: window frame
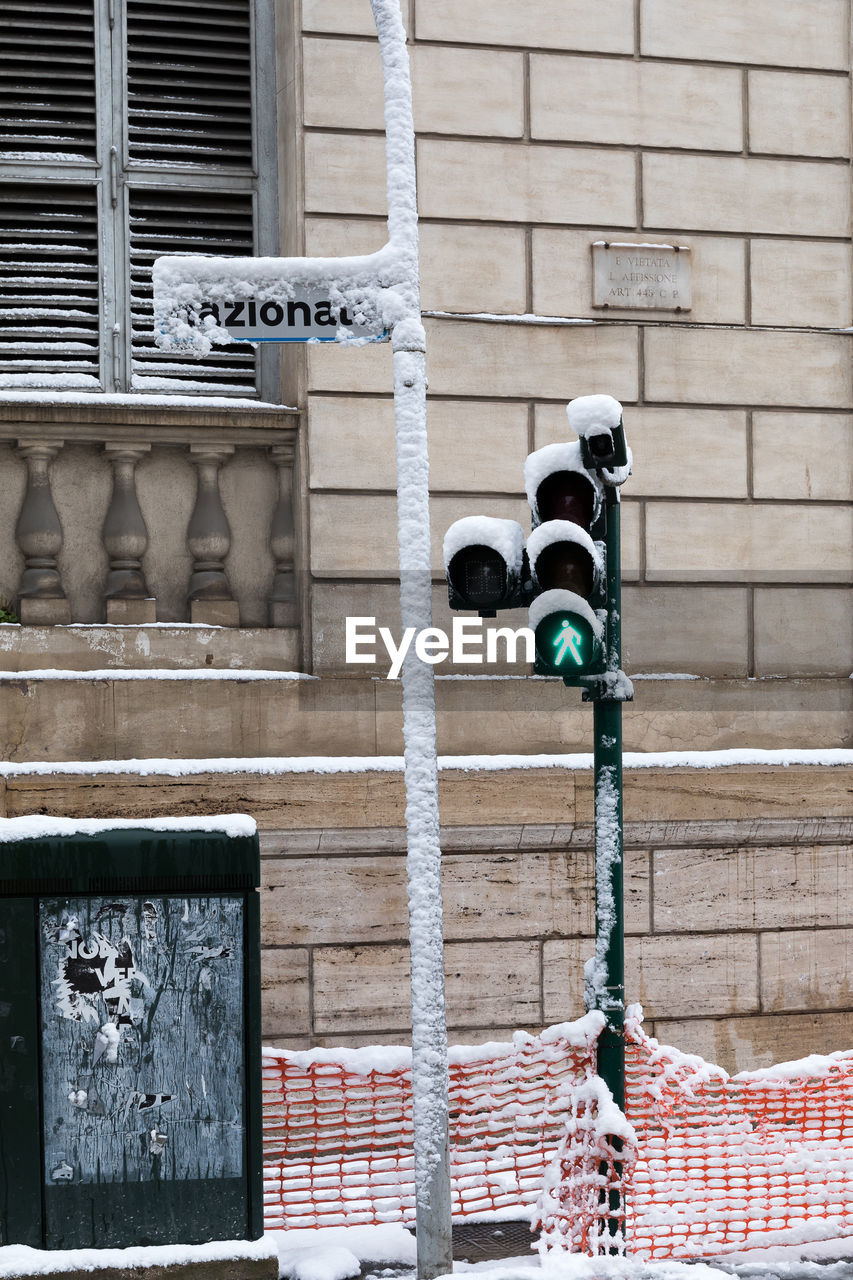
x,y
114,179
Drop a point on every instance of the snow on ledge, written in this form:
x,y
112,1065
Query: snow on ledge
x,y
21,1260
155,673
266,765
35,826
136,400
493,317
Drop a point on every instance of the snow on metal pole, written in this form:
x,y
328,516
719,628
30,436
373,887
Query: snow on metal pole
x,y
429,1030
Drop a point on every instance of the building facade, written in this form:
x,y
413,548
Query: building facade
x,y
578,166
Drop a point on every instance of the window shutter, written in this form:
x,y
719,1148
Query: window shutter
x,y
188,222
189,82
49,292
47,80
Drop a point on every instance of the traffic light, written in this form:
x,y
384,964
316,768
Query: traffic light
x,y
562,573
567,562
485,564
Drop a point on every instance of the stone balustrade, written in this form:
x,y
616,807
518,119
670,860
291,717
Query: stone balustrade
x,y
163,518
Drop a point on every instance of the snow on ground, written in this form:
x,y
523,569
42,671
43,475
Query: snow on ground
x,y
21,1260
337,1253
343,1253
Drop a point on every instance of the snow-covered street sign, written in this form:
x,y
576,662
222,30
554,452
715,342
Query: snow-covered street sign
x,y
201,302
308,316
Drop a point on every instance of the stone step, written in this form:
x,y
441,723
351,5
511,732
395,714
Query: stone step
x,y
93,647
177,713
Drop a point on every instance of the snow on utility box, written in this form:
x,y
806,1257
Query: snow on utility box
x,y
130,1108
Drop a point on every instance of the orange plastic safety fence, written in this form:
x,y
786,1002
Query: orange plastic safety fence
x,y
714,1163
338,1141
725,1162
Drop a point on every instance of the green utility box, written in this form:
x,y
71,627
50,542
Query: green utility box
x,y
130,1104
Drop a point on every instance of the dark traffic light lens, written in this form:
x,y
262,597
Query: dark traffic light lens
x,y
566,495
567,565
479,575
566,643
601,444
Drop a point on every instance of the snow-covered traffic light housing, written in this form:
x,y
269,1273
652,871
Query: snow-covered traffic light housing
x,y
485,564
567,562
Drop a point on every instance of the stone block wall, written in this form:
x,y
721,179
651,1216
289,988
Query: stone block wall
x,y
717,125
739,925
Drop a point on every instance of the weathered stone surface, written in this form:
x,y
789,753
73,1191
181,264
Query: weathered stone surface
x,y
793,113
507,894
348,179
666,629
667,975
357,534
513,182
361,988
550,24
803,456
465,91
352,445
731,193
800,283
805,370
635,103
294,802
748,542
530,360
747,1043
354,18
285,988
788,640
802,33
739,889
677,976
725,794
806,969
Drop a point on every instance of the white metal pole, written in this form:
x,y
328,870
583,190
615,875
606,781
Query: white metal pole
x,y
429,1029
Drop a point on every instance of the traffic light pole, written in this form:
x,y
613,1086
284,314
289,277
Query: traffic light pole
x,y
606,992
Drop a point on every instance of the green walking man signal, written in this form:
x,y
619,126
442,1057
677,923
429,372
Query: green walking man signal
x,y
568,638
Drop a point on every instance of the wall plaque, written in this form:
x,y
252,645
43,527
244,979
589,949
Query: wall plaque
x,y
653,277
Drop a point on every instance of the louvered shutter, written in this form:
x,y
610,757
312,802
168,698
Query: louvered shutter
x,y
185,222
47,80
49,293
189,82
167,165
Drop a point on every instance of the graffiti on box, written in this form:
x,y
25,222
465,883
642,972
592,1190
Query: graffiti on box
x,y
142,1038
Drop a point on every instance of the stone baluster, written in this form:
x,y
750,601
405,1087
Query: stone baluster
x,y
209,540
283,600
125,538
41,598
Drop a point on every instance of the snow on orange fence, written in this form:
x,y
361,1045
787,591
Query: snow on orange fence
x,y
724,1162
708,1162
338,1127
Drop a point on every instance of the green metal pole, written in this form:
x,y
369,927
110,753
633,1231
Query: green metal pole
x,y
609,973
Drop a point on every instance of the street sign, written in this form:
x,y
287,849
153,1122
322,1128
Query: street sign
x,y
308,316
